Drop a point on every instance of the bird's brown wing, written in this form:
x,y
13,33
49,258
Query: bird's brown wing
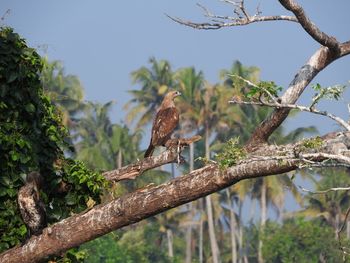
x,y
164,124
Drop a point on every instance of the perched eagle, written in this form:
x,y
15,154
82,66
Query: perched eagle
x,y
165,122
31,207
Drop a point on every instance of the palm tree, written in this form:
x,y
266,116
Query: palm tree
x,y
93,132
101,144
210,118
124,144
330,207
189,83
155,82
249,73
201,112
204,108
65,91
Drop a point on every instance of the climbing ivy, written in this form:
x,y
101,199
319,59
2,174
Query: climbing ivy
x,y
32,138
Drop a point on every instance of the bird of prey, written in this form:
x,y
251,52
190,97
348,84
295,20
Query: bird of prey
x,y
165,122
31,206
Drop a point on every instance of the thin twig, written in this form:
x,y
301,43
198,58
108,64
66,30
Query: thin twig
x,y
254,85
298,107
8,11
333,189
337,157
324,165
230,22
242,17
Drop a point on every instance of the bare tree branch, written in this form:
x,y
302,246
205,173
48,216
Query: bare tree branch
x,y
241,17
310,27
326,156
230,21
333,189
298,107
171,155
2,19
144,203
132,171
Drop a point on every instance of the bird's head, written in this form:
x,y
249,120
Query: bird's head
x,y
168,100
173,94
35,178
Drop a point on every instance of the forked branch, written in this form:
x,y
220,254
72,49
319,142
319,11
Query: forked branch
x,y
309,26
241,17
171,155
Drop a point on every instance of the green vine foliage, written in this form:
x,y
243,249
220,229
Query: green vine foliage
x,y
32,138
230,154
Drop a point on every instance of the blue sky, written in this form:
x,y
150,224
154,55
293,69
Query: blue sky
x,y
103,41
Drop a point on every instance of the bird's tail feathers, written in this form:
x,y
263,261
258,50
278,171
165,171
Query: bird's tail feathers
x,y
149,151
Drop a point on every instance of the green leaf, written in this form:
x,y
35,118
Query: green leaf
x,y
3,191
22,230
14,155
21,143
70,199
11,192
13,77
25,158
30,108
56,213
5,180
317,87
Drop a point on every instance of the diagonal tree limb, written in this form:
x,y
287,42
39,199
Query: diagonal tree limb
x,y
141,204
309,26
